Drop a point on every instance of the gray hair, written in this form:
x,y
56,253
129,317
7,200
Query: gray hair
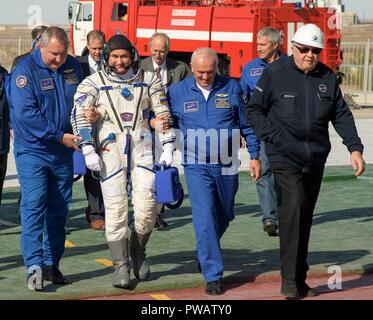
x,y
272,34
57,33
37,31
160,35
204,51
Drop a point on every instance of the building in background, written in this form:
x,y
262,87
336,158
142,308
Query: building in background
x,y
346,18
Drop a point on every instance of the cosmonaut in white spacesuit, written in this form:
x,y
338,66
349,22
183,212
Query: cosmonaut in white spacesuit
x,y
124,103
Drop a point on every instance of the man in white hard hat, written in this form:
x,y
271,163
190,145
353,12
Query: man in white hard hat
x,y
290,109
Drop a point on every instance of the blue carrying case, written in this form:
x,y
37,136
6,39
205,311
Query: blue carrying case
x,y
79,163
168,186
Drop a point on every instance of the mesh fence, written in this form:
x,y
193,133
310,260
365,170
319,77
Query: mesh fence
x,y
11,48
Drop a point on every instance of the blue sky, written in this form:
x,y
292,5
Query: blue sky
x,y
55,11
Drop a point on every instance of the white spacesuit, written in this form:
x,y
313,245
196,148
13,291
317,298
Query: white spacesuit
x,y
125,147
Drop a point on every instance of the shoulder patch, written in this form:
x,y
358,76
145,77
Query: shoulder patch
x,y
81,100
21,81
47,84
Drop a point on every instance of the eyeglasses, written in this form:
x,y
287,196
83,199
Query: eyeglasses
x,y
307,49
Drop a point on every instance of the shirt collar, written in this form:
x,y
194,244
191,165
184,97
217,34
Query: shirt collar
x,y
155,66
92,63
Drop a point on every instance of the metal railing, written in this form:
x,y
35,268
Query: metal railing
x,y
11,48
357,66
357,63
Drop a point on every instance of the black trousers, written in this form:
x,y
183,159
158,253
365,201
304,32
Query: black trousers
x,y
92,186
94,194
299,192
3,164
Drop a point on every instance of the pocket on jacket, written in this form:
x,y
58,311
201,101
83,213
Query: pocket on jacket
x,y
324,107
289,105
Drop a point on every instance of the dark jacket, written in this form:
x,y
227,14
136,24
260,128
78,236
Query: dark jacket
x,y
291,110
176,70
18,59
85,66
4,115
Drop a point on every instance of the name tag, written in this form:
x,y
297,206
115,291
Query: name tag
x,y
126,116
256,72
47,84
222,103
191,106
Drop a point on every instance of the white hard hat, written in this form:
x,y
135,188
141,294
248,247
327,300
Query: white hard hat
x,y
309,35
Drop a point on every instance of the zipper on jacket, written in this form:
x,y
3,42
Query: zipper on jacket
x,y
307,118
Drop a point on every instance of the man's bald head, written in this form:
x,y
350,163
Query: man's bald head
x,y
204,65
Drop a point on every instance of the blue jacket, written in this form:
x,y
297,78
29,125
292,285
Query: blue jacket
x,y
41,101
251,74
224,110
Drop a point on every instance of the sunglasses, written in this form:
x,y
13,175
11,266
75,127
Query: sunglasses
x,y
306,50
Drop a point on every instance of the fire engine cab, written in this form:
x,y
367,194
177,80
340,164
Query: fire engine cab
x,y
227,26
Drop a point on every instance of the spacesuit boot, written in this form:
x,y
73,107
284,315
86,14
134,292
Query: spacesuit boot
x,y
138,243
119,253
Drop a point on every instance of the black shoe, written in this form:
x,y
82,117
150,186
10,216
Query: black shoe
x,y
270,228
52,273
289,289
213,288
306,291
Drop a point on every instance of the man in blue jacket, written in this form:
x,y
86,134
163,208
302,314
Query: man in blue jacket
x,y
268,43
41,90
209,110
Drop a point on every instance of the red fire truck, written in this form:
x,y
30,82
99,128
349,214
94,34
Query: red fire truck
x,y
227,26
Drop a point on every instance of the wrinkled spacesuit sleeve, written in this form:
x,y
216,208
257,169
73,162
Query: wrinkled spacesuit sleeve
x,y
26,110
85,96
159,105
